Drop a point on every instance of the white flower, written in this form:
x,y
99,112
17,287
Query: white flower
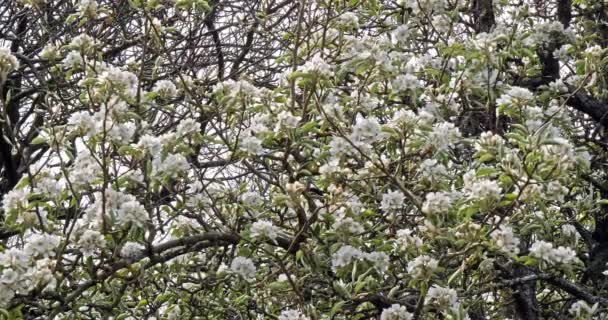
x,y
344,256
72,59
124,81
264,230
49,52
9,277
432,171
403,118
349,19
122,132
14,258
173,165
405,82
14,199
252,145
515,95
489,142
396,312
444,135
366,131
43,245
484,189
8,62
436,203
545,251
165,89
187,126
542,250
290,314
251,198
422,267
87,7
505,239
82,41
401,33
340,147
564,255
6,294
405,240
316,65
131,250
445,297
287,120
82,120
132,211
392,200
570,231
379,259
426,7
234,88
243,267
91,241
581,308
349,225
152,144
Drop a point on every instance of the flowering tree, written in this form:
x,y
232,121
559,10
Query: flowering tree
x,y
311,159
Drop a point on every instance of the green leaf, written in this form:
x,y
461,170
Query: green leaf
x,y
336,308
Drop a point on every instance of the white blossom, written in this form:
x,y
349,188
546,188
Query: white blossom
x,y
73,59
396,312
87,7
91,241
505,239
349,225
14,258
8,63
515,95
445,297
165,88
487,190
316,65
545,251
287,120
152,144
187,127
380,260
173,165
14,199
234,88
264,229
124,81
252,145
366,131
407,240
132,212
251,198
422,266
401,33
291,314
443,136
349,19
405,82
344,256
131,250
392,200
244,267
339,147
436,203
581,308
42,245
